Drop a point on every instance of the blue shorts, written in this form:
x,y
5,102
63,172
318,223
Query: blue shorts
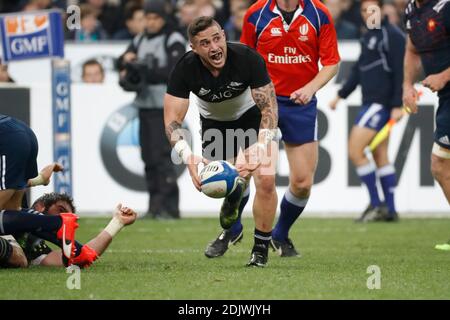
x,y
373,116
18,153
297,123
442,132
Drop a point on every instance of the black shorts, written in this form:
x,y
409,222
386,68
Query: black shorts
x,y
18,153
222,140
442,132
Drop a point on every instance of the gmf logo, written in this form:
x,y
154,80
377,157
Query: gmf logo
x,y
26,24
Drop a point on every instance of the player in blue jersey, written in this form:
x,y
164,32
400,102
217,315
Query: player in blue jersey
x,y
428,46
18,171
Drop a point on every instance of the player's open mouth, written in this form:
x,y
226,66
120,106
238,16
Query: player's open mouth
x,y
217,57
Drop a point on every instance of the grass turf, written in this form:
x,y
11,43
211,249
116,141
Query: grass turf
x,y
164,260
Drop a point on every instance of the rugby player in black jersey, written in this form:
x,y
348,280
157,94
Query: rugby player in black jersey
x,y
232,90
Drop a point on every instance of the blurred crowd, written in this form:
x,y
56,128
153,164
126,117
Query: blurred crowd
x,y
121,19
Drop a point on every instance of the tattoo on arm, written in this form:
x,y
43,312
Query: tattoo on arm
x,y
173,132
266,101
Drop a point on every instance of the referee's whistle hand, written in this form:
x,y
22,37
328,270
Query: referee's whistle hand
x,y
303,95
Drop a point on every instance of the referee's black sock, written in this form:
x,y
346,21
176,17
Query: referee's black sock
x,y
23,221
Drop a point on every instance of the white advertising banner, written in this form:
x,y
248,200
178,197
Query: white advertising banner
x,y
107,168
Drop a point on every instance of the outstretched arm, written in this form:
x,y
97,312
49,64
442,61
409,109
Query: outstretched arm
x,y
43,178
122,216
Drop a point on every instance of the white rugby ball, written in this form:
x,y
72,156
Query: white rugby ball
x,y
218,179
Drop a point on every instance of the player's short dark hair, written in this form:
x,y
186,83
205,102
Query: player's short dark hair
x,y
86,10
200,24
49,199
92,62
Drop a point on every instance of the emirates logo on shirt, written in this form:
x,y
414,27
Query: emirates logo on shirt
x,y
304,29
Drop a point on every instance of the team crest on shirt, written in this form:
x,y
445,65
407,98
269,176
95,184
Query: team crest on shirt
x,y
431,26
304,28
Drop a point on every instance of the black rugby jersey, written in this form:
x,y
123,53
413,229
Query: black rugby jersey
x,y
227,96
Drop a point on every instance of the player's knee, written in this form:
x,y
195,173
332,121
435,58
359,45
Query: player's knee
x,y
355,155
266,184
301,186
440,168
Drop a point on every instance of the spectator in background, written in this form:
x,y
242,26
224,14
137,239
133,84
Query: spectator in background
x,y
188,10
134,21
10,6
345,30
91,29
4,75
93,72
34,5
233,28
351,13
395,11
109,15
390,11
145,68
212,8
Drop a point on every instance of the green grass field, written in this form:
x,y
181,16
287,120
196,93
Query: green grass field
x,y
164,260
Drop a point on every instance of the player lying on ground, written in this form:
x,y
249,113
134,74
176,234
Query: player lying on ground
x,y
18,171
23,249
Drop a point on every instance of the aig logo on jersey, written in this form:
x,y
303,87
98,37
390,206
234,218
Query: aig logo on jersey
x,y
304,29
276,32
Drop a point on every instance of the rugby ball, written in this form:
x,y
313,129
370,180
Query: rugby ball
x,y
218,179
